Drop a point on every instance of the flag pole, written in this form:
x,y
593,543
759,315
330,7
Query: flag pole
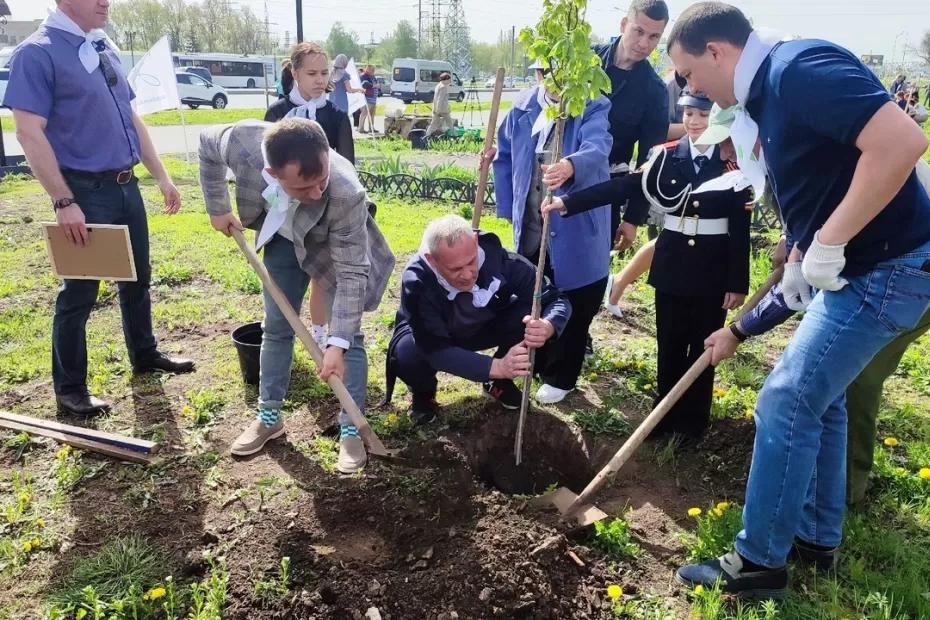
x,y
187,151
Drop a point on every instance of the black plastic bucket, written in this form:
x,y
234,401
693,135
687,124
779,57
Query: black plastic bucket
x,y
248,341
417,139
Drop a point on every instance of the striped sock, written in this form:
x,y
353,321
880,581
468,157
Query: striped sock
x,y
269,417
347,430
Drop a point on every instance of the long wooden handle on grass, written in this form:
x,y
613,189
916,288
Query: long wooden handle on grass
x,y
642,432
537,295
345,399
484,167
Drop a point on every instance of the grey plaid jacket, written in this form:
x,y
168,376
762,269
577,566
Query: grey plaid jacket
x,y
335,239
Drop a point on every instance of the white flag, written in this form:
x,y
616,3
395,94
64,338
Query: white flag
x,y
153,80
356,100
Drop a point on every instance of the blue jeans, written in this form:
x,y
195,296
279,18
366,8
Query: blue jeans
x,y
278,338
103,202
797,482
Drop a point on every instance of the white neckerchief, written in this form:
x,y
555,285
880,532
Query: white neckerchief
x,y
305,108
695,153
87,54
480,297
543,125
744,131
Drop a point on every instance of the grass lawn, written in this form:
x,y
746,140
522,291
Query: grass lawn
x,y
78,531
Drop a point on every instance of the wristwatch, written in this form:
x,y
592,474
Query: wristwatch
x,y
737,332
61,203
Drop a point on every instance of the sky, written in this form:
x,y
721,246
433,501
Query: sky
x,y
864,26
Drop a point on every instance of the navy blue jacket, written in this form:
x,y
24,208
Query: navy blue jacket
x,y
638,107
448,333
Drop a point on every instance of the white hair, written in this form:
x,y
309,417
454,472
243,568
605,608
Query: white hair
x,y
447,229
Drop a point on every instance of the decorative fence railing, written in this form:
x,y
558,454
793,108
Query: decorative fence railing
x,y
764,215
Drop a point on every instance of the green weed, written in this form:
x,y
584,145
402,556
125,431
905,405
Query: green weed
x,y
603,421
277,588
717,528
614,538
321,450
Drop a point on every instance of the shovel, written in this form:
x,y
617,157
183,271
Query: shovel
x,y
484,167
578,507
372,443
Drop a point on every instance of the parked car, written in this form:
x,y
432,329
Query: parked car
x,y
508,82
381,86
201,71
196,91
415,79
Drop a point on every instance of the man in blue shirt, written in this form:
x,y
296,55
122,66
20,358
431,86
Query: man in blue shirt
x,y
860,224
638,99
82,138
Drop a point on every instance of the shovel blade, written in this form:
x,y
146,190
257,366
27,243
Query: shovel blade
x,y
562,498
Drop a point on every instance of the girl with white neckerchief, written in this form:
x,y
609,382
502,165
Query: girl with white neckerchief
x,y
308,98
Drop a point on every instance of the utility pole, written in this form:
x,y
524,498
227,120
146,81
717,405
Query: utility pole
x,y
513,40
300,21
419,27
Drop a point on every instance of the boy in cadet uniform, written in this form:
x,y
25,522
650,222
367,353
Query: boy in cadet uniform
x,y
700,269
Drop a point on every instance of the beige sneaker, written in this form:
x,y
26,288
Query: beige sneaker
x,y
254,438
352,455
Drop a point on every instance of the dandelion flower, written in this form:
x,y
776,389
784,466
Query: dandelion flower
x,y
27,546
719,392
40,522
154,594
717,512
748,413
924,473
694,512
614,591
648,386
699,589
36,543
392,419
723,506
900,471
891,442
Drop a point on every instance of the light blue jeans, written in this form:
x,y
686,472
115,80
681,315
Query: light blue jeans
x,y
797,482
278,338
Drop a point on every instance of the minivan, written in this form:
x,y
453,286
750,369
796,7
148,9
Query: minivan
x,y
195,91
415,79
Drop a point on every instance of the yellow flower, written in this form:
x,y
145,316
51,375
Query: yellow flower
x,y
614,591
648,386
900,471
699,589
40,522
891,442
27,546
188,411
154,593
719,392
694,512
717,512
391,419
748,413
721,506
924,473
63,453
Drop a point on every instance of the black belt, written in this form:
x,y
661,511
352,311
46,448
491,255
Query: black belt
x,y
120,176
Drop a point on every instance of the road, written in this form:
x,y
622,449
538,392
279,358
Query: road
x,y
255,98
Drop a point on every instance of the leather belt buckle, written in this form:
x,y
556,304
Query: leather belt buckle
x,y
124,177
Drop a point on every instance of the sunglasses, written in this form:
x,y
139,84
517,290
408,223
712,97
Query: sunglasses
x,y
108,71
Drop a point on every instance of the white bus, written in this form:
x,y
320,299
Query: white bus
x,y
232,70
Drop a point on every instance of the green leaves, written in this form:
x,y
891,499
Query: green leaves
x,y
561,40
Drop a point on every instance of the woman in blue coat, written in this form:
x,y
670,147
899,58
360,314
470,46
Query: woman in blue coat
x,y
578,254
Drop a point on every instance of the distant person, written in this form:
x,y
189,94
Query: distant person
x,y
284,82
342,84
371,100
442,113
676,127
900,98
915,110
898,84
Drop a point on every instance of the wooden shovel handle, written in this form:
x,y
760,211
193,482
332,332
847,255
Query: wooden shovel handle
x,y
345,399
642,432
484,167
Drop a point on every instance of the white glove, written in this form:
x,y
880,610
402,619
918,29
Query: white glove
x,y
822,265
794,288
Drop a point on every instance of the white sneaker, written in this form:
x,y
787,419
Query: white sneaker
x,y
549,395
614,310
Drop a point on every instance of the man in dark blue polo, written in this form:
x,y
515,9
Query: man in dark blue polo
x,y
859,221
638,99
71,103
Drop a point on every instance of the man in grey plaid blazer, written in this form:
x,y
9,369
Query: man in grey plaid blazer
x,y
311,213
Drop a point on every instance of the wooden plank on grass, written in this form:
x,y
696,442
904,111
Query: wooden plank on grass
x,y
78,442
121,441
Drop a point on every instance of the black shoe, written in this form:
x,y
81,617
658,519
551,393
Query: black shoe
x,y
767,583
824,560
588,347
160,361
77,403
424,409
505,392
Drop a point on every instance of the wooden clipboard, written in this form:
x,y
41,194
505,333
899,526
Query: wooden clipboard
x,y
107,255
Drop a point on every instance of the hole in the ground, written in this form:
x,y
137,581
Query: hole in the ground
x,y
553,454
